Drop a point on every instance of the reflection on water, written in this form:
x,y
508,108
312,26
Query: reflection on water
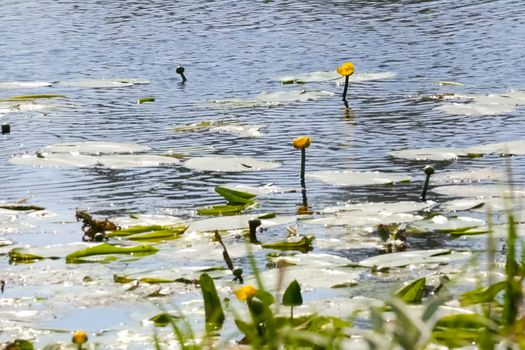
x,y
234,49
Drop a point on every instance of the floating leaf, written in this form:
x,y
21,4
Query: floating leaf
x,y
221,210
412,293
24,84
292,295
303,245
145,99
468,176
126,161
105,249
354,178
18,255
102,83
234,196
357,219
239,130
229,164
444,82
225,223
96,147
481,105
31,97
503,148
200,126
212,303
267,99
149,233
427,154
431,256
260,190
480,191
320,76
18,207
442,224
378,207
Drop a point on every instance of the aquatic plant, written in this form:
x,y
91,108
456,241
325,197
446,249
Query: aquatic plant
x,y
346,70
180,70
302,143
429,170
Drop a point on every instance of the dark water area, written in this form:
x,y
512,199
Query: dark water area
x,y
236,49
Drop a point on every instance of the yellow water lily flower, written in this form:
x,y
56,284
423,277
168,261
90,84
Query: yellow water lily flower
x,y
302,142
246,292
79,337
346,69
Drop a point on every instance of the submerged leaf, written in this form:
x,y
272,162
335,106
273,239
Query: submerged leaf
x,y
427,154
401,259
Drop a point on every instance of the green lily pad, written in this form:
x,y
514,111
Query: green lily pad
x,y
151,233
221,210
32,97
18,255
355,178
427,154
164,319
229,164
107,249
304,244
145,100
462,204
442,224
416,257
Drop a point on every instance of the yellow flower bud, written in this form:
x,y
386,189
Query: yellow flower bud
x,y
79,337
302,142
246,292
346,69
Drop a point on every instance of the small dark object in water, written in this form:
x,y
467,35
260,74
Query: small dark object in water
x,y
2,286
429,170
180,70
6,129
94,230
253,230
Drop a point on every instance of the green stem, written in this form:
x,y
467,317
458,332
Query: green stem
x,y
303,165
291,313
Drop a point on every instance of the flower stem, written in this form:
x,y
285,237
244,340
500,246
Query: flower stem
x,y
346,88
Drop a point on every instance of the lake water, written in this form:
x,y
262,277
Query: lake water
x,y
236,49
